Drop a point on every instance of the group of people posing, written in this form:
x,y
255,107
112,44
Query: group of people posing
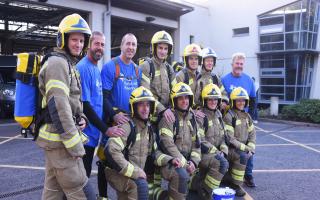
x,y
149,122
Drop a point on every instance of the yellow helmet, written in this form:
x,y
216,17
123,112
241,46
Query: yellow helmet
x,y
181,89
142,94
161,37
210,91
73,24
239,93
192,49
177,66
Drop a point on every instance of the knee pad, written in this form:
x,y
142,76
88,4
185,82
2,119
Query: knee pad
x,y
89,192
183,180
142,187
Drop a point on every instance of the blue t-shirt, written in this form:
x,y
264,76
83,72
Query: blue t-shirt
x,y
92,93
122,87
230,82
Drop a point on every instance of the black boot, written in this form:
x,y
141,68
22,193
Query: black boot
x,y
249,181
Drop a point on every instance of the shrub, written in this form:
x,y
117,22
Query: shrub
x,y
306,110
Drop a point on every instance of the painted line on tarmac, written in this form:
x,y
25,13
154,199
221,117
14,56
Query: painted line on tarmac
x,y
291,141
286,144
19,138
8,124
284,170
32,167
261,129
302,131
12,138
247,196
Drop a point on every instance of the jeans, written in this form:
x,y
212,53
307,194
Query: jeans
x,y
249,167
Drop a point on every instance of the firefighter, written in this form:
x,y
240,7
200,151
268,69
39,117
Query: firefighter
x,y
61,135
180,140
157,74
209,59
127,155
214,150
192,59
241,136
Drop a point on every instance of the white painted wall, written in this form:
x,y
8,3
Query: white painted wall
x,y
315,87
192,23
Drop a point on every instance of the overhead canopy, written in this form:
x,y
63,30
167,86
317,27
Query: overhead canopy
x,y
27,25
160,8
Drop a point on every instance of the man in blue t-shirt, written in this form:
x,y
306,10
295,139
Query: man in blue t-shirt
x,y
237,78
92,100
120,76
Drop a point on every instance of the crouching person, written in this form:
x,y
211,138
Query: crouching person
x,y
214,151
126,156
180,140
241,136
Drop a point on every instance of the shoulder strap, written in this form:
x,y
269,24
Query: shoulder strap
x,y
116,63
169,74
136,68
195,129
131,139
205,123
152,69
176,127
234,118
186,76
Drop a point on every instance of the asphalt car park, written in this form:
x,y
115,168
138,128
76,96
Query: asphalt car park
x,y
286,164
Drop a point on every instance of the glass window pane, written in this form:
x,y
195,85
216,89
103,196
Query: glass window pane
x,y
292,40
314,41
271,21
272,89
271,38
290,93
312,15
293,22
303,40
272,81
291,66
268,97
309,40
270,47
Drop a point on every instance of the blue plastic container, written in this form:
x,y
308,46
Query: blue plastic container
x,y
223,194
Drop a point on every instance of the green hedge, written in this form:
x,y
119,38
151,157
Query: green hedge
x,y
306,110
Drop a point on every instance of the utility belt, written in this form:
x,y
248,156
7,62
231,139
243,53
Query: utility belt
x,y
44,117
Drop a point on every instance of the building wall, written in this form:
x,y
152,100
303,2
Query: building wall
x,y
192,23
227,15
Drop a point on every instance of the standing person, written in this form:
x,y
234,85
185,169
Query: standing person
x,y
192,60
61,135
214,151
157,73
181,141
209,59
92,101
237,78
120,76
127,155
241,137
159,76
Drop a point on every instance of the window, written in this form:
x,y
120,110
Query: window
x,y
241,31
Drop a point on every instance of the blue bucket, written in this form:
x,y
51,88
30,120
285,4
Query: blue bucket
x,y
223,194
